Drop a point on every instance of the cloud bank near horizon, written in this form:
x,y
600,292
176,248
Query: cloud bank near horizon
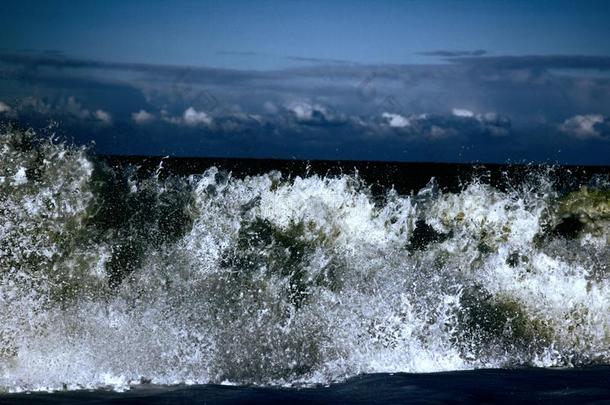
x,y
475,107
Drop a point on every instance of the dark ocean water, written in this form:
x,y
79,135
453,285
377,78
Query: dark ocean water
x,y
525,386
153,280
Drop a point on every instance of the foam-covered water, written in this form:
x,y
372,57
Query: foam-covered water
x,y
109,278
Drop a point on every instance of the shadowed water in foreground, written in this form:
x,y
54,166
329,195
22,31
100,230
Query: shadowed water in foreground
x,y
572,386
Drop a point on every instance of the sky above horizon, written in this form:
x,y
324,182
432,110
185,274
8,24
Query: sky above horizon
x,y
266,34
492,81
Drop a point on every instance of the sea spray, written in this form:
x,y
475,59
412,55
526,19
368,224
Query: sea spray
x,y
109,277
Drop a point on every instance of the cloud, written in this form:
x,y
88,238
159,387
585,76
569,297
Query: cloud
x,y
69,109
320,60
33,62
315,114
454,54
5,108
436,132
190,117
305,112
142,117
487,82
289,57
270,107
461,124
536,62
76,109
516,102
396,120
590,126
495,124
7,112
489,123
103,116
193,117
461,112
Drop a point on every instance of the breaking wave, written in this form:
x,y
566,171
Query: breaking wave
x,y
109,278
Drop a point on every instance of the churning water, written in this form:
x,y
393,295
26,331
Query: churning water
x,y
110,278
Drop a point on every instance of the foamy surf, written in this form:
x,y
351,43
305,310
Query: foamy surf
x,y
109,279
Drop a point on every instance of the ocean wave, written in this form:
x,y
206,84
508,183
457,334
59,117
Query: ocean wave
x,y
109,278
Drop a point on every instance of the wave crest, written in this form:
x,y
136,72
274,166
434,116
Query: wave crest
x,y
112,278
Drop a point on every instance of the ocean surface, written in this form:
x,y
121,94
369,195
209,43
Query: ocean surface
x,y
489,386
165,280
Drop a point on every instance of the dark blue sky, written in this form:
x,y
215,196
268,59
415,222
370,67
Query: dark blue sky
x,y
490,81
259,34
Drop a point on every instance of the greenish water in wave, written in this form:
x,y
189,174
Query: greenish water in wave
x,y
109,278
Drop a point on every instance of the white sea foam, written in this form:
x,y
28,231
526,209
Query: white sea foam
x,y
279,281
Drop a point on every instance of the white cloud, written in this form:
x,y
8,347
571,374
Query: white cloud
x,y
396,120
583,126
103,116
4,107
192,117
315,114
142,117
462,112
309,112
303,111
76,109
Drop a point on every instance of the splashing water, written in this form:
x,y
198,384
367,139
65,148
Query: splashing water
x,y
109,278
